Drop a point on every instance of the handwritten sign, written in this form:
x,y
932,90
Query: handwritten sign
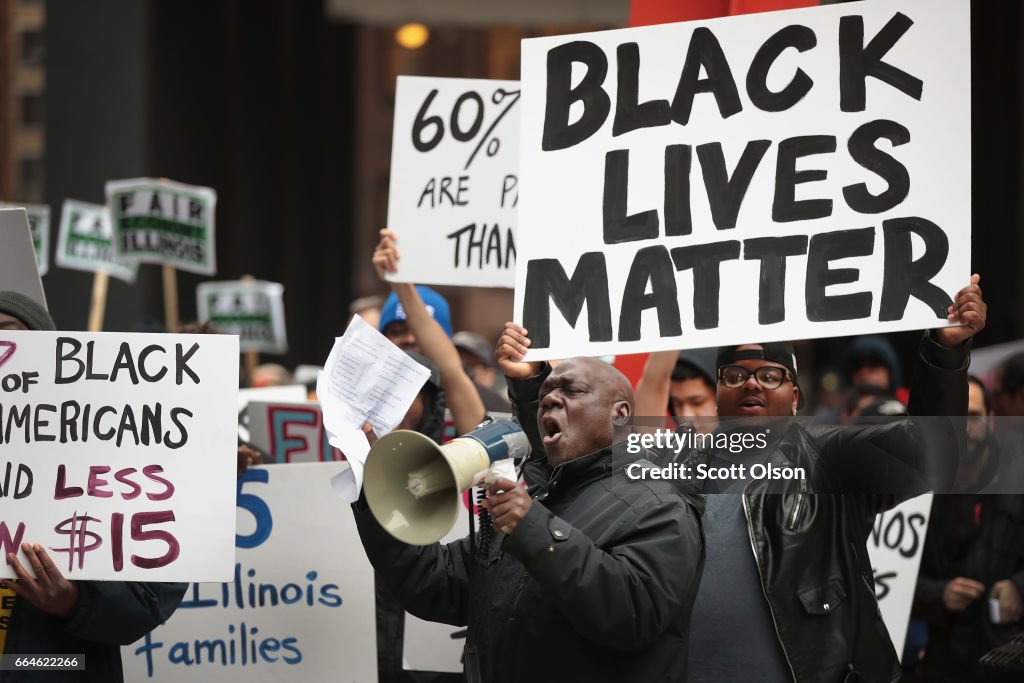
x,y
18,269
85,241
252,309
454,180
39,224
164,222
290,432
895,547
117,453
766,177
300,605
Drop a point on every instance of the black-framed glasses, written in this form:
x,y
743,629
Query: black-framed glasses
x,y
768,376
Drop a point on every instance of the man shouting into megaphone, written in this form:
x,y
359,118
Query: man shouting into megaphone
x,y
592,575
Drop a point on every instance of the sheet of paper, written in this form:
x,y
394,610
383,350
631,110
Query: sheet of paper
x,y
366,379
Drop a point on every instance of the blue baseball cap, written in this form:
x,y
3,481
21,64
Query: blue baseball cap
x,y
436,304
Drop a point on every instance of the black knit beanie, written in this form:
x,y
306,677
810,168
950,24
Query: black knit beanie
x,y
27,311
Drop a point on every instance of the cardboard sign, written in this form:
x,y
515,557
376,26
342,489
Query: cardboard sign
x,y
252,309
895,547
85,241
290,432
300,606
39,224
454,180
765,177
19,271
164,222
117,453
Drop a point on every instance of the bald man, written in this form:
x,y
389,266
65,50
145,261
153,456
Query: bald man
x,y
591,575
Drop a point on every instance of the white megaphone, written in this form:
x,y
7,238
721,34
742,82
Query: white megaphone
x,y
413,486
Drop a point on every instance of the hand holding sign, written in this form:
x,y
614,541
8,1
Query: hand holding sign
x,y
510,350
969,309
48,591
385,256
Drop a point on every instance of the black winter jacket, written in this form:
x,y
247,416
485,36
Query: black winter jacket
x,y
108,614
597,583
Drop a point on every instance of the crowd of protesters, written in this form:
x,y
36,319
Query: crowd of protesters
x,y
652,584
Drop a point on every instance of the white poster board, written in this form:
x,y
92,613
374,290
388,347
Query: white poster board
x,y
39,224
85,241
121,450
19,271
164,222
895,547
775,176
290,431
252,309
300,606
454,180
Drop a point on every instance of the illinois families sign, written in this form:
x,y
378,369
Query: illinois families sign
x,y
775,176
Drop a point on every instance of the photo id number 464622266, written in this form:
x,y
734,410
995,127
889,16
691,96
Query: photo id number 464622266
x,y
42,662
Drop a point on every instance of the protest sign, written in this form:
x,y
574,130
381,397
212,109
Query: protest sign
x,y
252,309
19,271
895,546
300,606
290,432
39,224
117,453
784,175
164,222
454,176
85,241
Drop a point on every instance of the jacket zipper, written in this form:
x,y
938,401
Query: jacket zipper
x,y
794,516
760,577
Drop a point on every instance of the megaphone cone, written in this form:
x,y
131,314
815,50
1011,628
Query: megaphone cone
x,y
412,485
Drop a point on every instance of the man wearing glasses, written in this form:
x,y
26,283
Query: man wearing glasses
x,y
790,566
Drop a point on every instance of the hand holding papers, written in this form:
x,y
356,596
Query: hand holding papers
x,y
366,379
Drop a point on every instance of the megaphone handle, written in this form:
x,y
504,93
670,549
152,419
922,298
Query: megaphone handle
x,y
486,525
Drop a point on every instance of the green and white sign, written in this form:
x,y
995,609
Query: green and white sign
x,y
164,222
39,224
85,241
252,309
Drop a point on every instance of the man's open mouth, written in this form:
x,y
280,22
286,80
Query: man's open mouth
x,y
550,431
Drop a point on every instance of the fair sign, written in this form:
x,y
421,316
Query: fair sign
x,y
785,175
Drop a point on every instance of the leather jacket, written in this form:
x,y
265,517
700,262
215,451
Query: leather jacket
x,y
811,550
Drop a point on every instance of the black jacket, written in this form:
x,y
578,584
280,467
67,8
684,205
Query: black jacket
x,y
979,537
811,550
596,584
108,614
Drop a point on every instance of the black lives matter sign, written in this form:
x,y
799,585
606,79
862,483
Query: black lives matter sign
x,y
775,176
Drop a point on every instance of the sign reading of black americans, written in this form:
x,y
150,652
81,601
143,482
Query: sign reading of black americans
x,y
158,221
775,176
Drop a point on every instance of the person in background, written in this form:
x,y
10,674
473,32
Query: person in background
x,y
681,383
416,318
367,308
47,613
271,375
871,360
475,353
973,559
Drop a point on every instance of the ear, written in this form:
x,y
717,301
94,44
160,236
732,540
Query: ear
x,y
796,399
621,412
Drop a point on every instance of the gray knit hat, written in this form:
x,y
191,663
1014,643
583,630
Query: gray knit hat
x,y
27,311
